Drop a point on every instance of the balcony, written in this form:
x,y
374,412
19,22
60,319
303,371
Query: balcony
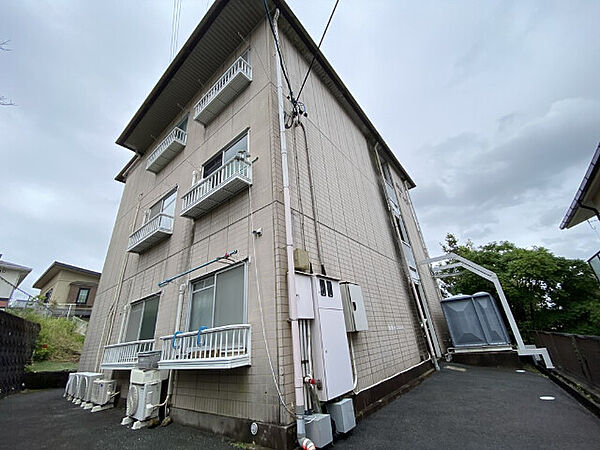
x,y
166,150
224,347
231,83
228,180
125,354
155,230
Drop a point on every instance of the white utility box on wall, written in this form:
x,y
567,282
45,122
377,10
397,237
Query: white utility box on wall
x,y
354,307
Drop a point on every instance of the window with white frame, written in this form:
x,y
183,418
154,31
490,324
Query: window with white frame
x,y
165,205
219,299
238,148
83,295
142,320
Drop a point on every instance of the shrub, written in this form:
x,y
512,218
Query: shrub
x,y
57,340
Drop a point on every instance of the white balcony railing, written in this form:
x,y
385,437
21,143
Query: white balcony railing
x,y
220,185
166,150
214,348
125,354
230,84
155,230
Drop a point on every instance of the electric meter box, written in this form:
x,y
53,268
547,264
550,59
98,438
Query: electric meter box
x,y
354,307
304,296
319,298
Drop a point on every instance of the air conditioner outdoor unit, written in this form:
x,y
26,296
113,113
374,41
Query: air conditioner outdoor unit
x,y
103,394
86,381
71,387
76,388
144,395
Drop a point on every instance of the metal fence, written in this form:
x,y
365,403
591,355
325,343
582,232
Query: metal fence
x,y
573,354
17,342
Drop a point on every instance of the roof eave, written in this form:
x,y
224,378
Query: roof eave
x,y
591,176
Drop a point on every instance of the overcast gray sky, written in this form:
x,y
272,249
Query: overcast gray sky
x,y
493,107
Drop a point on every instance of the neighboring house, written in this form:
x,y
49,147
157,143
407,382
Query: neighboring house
x,y
208,177
11,276
586,204
68,290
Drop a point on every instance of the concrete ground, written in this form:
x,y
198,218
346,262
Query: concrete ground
x,y
460,407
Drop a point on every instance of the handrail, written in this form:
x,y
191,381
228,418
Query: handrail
x,y
123,344
207,330
176,134
212,182
152,225
239,65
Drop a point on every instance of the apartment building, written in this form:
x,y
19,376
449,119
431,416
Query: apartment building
x,y
208,180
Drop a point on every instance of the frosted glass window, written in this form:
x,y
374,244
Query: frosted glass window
x,y
201,314
133,324
218,299
142,320
229,298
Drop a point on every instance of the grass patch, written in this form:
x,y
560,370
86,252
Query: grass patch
x,y
57,341
51,366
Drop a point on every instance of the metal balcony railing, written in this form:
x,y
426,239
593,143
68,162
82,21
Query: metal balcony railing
x,y
229,85
166,150
214,348
220,185
155,230
125,354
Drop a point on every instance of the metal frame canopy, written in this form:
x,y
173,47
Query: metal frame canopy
x,y
458,262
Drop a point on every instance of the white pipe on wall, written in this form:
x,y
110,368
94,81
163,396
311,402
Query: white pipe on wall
x,y
291,278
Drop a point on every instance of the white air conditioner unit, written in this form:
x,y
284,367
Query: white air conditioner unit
x,y
72,386
103,394
144,395
86,380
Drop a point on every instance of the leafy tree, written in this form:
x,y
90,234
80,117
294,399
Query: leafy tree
x,y
545,292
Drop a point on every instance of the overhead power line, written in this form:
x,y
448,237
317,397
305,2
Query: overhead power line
x,y
318,48
175,27
285,75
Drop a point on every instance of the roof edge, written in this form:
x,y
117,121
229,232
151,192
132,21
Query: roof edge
x,y
61,265
588,178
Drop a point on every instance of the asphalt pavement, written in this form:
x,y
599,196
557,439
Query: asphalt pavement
x,y
460,407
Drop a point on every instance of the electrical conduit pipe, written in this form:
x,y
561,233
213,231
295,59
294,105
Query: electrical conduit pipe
x,y
303,441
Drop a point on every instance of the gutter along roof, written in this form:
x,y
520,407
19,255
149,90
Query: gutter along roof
x,y
588,190
209,45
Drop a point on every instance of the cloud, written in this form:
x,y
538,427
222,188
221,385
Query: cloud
x,y
486,186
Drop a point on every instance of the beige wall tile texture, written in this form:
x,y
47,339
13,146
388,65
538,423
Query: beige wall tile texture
x,y
358,241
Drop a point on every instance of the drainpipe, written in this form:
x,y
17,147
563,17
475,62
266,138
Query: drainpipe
x,y
180,299
291,279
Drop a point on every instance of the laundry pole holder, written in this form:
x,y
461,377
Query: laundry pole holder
x,y
226,256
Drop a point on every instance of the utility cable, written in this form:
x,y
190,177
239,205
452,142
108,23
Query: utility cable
x,y
260,307
285,75
16,287
318,48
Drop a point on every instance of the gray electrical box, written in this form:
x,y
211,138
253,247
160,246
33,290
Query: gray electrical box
x,y
354,307
318,429
342,415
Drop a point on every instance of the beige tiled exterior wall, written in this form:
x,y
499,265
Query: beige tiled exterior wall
x,y
357,238
61,285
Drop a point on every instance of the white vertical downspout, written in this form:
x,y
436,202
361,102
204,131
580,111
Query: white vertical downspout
x,y
289,245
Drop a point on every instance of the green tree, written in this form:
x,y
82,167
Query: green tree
x,y
545,292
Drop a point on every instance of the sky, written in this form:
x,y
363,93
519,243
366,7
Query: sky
x,y
493,108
